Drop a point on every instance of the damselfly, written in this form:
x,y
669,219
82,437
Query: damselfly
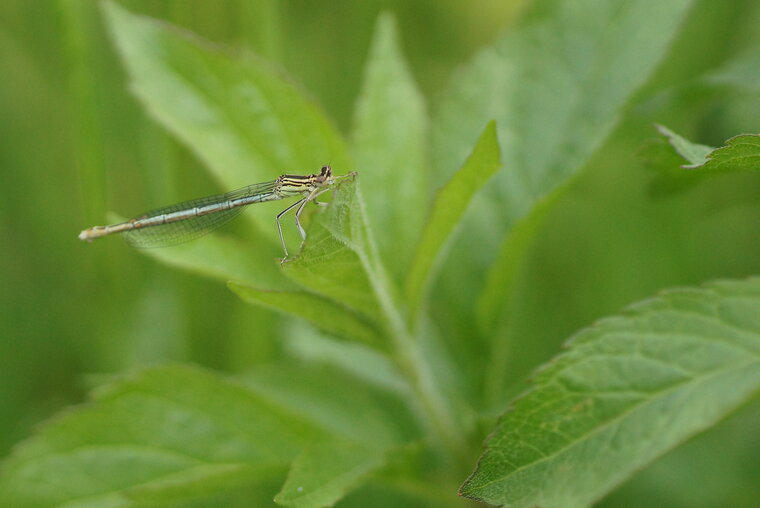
x,y
185,221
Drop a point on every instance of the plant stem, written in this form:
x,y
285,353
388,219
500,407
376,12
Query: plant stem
x,y
419,375
413,364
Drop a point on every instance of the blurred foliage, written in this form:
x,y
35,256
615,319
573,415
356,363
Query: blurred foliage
x,y
75,145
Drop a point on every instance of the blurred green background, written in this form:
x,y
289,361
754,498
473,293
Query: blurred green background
x,y
74,145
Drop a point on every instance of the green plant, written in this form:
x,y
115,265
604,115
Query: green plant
x,y
400,409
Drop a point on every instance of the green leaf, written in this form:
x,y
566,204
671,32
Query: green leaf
x,y
225,258
740,72
176,433
326,314
366,424
555,87
163,428
449,206
369,365
361,414
390,147
694,153
239,114
502,278
667,177
338,258
628,389
322,474
740,153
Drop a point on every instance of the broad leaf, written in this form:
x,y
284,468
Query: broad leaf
x,y
322,474
326,314
240,115
556,86
740,153
665,156
628,389
166,428
449,206
390,147
175,433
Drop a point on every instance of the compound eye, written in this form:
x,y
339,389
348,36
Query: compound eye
x,y
326,171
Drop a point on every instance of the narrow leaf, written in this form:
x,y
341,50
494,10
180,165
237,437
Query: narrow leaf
x,y
318,310
740,72
240,115
500,283
390,147
324,473
449,206
628,389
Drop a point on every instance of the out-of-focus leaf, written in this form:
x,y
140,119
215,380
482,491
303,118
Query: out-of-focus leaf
x,y
176,433
741,72
326,314
390,147
502,278
684,478
367,422
240,115
322,474
449,206
555,86
369,365
225,258
338,259
694,153
361,414
628,389
167,428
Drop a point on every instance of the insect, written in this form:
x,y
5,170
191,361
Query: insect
x,y
185,221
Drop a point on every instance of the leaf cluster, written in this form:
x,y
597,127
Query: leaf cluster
x,y
398,410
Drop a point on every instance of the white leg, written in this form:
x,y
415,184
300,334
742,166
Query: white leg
x,y
279,226
314,199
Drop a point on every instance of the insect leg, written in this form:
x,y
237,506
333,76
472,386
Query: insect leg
x,y
279,226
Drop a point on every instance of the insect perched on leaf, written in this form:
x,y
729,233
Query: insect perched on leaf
x,y
185,221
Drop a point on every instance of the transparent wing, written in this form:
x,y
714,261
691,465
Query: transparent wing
x,y
190,228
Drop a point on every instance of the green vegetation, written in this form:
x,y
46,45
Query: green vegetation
x,y
491,219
